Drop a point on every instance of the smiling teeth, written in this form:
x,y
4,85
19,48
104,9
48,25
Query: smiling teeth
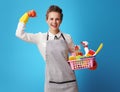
x,y
54,25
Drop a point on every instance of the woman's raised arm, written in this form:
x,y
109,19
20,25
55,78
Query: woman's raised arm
x,y
20,33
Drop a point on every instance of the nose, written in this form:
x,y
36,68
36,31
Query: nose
x,y
54,21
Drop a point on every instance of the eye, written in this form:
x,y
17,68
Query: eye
x,y
57,19
51,18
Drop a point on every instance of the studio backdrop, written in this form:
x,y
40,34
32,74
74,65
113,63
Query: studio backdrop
x,y
96,21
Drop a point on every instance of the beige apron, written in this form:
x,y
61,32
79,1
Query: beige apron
x,y
59,76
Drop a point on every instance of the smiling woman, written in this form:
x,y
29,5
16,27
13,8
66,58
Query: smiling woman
x,y
21,66
54,18
54,22
59,76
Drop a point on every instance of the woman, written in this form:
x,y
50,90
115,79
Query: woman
x,y
54,47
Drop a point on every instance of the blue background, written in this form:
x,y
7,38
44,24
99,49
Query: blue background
x,y
21,65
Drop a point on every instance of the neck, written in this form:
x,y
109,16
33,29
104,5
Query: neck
x,y
54,31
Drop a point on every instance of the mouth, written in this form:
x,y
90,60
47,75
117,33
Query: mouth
x,y
54,25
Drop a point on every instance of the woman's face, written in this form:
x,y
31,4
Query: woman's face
x,y
54,21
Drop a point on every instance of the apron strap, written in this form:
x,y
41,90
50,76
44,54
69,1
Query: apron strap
x,y
47,36
61,35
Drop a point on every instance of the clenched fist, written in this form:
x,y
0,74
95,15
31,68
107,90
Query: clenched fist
x,y
32,13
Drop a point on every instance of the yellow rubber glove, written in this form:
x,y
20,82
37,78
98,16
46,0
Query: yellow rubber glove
x,y
24,18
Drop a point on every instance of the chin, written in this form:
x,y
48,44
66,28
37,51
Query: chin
x,y
54,29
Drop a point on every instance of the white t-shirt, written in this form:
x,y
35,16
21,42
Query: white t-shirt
x,y
40,38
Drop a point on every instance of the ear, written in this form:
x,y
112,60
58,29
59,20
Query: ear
x,y
60,21
46,20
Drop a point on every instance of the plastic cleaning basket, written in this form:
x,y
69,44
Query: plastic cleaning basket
x,y
82,63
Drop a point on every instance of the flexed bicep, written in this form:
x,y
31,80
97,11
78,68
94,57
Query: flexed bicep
x,y
20,33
